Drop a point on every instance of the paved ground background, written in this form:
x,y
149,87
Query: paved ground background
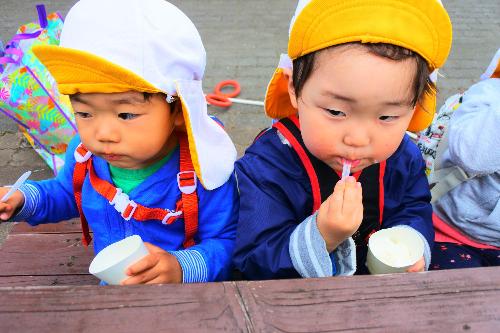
x,y
243,41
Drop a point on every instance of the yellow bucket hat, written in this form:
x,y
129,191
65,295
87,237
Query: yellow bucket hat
x,y
147,46
422,26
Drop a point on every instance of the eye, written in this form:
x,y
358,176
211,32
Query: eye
x,y
335,113
83,115
127,116
388,119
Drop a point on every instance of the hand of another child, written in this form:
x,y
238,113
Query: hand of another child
x,y
341,214
7,209
419,266
157,267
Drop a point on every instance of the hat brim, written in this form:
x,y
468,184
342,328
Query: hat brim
x,y
212,151
78,71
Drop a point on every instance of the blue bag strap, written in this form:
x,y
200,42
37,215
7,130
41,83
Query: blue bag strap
x,y
42,15
11,48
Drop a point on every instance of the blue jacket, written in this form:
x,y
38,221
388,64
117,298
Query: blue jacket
x,y
278,238
209,260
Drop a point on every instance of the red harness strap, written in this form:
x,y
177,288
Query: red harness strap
x,y
322,179
78,178
186,179
187,205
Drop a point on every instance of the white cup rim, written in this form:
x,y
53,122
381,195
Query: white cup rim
x,y
416,252
97,265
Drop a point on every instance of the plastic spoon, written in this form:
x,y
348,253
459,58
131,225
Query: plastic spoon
x,y
346,169
16,186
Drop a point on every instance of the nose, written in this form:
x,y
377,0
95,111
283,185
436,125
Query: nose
x,y
357,136
106,131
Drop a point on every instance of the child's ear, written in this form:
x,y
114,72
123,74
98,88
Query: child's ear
x,y
287,73
176,112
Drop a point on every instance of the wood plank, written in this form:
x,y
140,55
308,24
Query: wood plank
x,y
44,254
211,307
440,301
48,280
71,226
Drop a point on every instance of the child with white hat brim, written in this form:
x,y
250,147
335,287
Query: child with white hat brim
x,y
154,162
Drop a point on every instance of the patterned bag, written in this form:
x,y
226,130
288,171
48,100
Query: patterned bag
x,y
429,139
28,93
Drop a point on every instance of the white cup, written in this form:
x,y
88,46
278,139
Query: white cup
x,y
111,263
393,250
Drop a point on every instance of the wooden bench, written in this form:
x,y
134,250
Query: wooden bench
x,y
45,287
46,255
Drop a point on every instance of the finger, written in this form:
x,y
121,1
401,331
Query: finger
x,y
153,248
158,280
338,195
141,278
351,196
359,213
142,265
5,211
419,266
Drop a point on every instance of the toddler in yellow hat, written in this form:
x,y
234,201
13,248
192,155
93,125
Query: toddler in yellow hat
x,y
148,160
337,165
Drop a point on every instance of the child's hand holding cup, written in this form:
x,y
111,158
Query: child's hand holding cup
x,y
394,250
112,262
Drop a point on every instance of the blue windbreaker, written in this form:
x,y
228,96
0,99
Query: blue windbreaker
x,y
209,260
276,201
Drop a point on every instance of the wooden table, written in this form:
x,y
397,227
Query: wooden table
x,y
45,287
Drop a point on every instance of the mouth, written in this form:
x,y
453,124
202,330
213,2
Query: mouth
x,y
353,163
112,157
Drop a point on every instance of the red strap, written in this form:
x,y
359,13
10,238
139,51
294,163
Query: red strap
x,y
187,178
316,193
129,208
187,205
78,178
381,190
305,161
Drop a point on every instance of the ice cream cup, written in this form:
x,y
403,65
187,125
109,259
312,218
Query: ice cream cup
x,y
112,262
393,250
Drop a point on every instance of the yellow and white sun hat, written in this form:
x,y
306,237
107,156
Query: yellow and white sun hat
x,y
422,26
110,46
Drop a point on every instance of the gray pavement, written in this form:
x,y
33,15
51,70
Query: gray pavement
x,y
243,41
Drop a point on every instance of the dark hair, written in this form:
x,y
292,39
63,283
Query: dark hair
x,y
303,66
148,96
173,105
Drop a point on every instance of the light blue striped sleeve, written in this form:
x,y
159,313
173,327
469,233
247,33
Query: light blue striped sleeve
x,y
310,257
345,257
194,267
31,200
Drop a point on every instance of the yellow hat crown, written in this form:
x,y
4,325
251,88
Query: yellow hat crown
x,y
422,26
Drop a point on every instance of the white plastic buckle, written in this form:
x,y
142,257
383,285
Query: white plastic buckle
x,y
189,188
79,157
170,214
121,201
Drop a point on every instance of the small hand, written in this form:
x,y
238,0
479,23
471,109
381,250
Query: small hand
x,y
419,266
8,208
158,266
342,213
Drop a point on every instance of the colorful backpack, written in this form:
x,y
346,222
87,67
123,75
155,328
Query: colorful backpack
x,y
28,93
